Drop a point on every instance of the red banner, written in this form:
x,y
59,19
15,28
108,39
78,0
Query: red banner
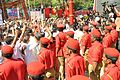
x,y
59,12
83,12
47,12
66,13
53,11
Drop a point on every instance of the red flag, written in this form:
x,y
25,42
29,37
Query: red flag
x,y
66,13
53,11
47,12
59,12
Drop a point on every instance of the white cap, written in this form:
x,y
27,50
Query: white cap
x,y
111,14
81,16
97,19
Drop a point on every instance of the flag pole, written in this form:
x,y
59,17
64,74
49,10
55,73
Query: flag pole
x,y
94,5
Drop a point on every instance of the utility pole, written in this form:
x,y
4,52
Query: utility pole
x,y
4,13
71,16
29,4
25,10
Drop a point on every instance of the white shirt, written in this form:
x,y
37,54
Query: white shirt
x,y
78,35
55,34
30,56
32,50
17,50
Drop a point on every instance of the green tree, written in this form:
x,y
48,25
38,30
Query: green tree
x,y
84,4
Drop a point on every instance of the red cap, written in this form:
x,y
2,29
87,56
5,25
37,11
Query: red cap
x,y
35,68
79,77
96,33
73,44
60,26
112,52
44,40
85,27
7,49
70,33
93,23
108,27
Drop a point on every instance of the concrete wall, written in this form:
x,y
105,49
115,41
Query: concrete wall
x,y
100,8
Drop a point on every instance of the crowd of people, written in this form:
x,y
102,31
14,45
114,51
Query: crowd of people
x,y
52,49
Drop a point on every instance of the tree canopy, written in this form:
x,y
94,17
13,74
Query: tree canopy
x,y
78,4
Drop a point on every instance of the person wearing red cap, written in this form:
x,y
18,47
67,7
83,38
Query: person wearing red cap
x,y
109,70
114,34
69,35
47,57
95,55
75,64
107,39
85,43
94,24
118,62
35,71
79,77
60,42
12,69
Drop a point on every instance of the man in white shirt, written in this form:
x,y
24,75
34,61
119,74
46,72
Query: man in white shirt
x,y
78,34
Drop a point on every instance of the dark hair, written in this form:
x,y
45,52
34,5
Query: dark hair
x,y
72,36
29,30
86,31
9,40
73,50
96,38
44,45
60,29
39,77
9,31
0,43
8,56
54,29
19,32
25,39
37,35
81,28
108,30
113,59
42,34
110,20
